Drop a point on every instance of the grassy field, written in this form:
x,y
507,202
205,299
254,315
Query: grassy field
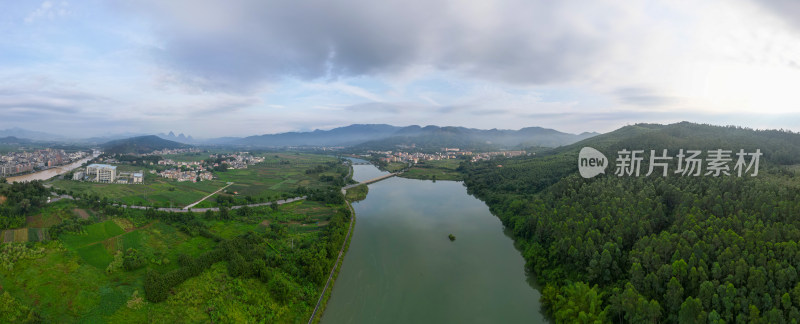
x,y
155,191
435,170
92,234
278,176
357,193
395,166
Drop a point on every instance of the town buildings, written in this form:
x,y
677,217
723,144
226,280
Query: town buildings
x,y
102,173
27,161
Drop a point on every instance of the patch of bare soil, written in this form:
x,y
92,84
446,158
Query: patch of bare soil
x,y
81,213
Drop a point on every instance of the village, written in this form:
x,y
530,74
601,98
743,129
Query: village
x,y
20,162
445,154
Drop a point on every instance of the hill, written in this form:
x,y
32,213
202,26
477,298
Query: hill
x,y
14,140
382,136
29,134
341,136
653,248
434,138
140,145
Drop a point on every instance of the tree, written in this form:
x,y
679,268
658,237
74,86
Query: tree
x,y
673,298
579,303
692,311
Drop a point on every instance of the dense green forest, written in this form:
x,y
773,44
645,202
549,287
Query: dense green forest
x,y
676,249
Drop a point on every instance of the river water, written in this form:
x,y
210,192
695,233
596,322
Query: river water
x,y
49,173
402,268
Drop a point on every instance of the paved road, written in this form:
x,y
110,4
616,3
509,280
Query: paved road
x,y
206,197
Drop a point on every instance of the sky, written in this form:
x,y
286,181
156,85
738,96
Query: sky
x,y
240,67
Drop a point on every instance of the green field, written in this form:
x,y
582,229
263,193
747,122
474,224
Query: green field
x,y
155,191
69,282
79,277
278,176
357,193
435,170
92,234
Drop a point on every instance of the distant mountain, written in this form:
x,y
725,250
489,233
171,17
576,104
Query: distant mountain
x,y
382,136
181,138
29,134
140,145
342,136
435,137
14,140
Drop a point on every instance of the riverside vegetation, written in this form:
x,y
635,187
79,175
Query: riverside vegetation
x,y
656,249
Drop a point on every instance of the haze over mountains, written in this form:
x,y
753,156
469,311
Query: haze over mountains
x,y
378,136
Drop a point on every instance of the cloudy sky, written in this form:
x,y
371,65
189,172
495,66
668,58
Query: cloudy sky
x,y
238,67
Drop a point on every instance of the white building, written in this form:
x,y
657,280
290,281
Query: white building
x,y
101,173
80,175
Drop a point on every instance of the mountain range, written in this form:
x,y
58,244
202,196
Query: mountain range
x,y
362,136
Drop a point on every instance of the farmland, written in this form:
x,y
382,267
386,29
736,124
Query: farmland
x,y
435,170
279,176
156,191
97,266
80,265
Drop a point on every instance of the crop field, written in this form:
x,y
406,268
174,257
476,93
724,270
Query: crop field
x,y
19,235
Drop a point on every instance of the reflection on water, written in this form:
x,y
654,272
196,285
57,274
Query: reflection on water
x,y
402,268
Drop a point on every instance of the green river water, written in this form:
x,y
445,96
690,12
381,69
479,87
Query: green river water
x,y
402,268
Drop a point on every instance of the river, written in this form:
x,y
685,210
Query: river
x,y
402,268
49,173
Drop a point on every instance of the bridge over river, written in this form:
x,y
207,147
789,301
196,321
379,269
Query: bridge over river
x,y
373,180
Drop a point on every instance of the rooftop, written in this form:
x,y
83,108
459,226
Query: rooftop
x,y
102,166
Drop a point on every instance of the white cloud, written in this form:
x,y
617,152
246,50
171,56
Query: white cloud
x,y
49,10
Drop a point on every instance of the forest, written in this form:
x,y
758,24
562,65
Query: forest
x,y
671,249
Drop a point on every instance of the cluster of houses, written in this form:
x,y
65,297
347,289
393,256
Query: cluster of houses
x,y
186,171
189,175
490,155
19,162
445,154
173,151
238,160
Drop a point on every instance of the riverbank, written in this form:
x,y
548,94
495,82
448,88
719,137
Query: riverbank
x,y
322,302
49,173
